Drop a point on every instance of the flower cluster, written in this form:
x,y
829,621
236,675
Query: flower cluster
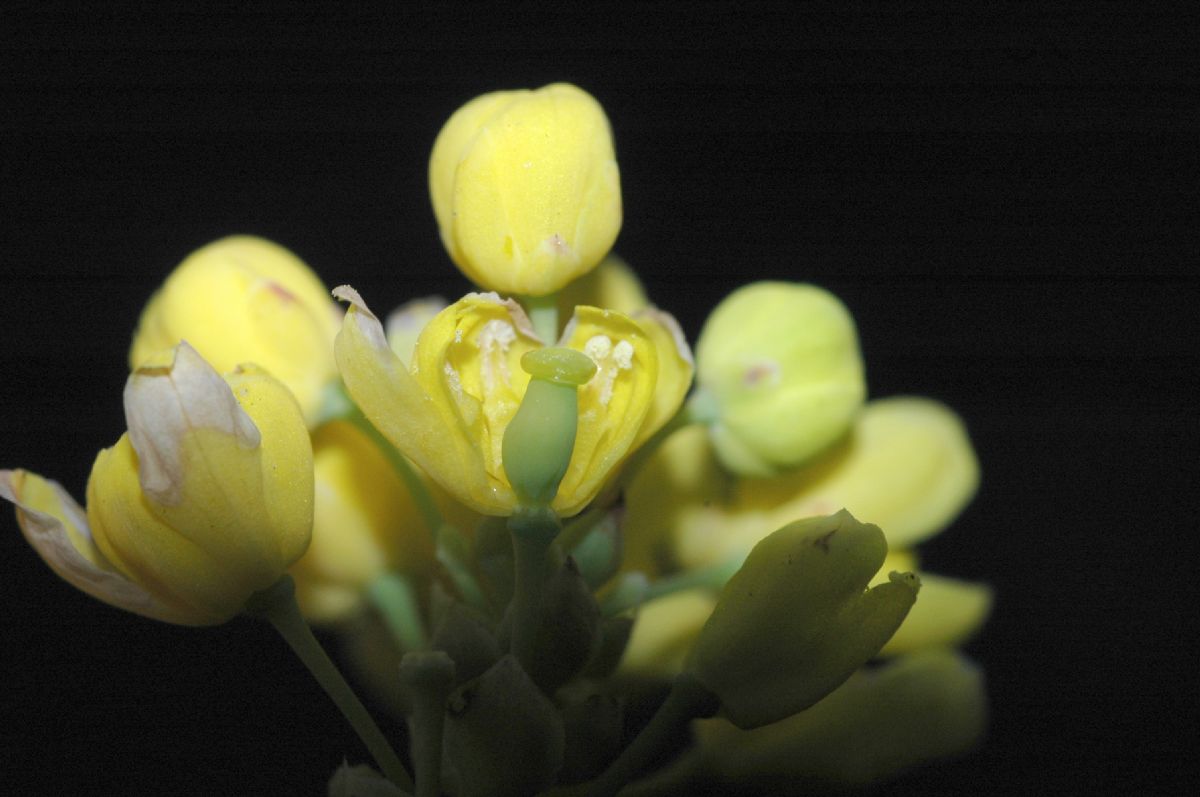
x,y
520,507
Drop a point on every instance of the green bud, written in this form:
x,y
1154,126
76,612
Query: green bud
x,y
465,637
540,437
781,363
614,638
797,620
594,541
569,631
502,736
593,724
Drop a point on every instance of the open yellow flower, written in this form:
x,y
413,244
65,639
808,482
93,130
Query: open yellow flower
x,y
205,501
447,410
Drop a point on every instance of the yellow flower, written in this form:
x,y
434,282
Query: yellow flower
x,y
448,409
917,708
206,500
780,363
365,524
907,466
246,299
525,188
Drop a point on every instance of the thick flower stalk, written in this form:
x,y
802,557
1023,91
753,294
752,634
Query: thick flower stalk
x,y
206,500
449,408
525,188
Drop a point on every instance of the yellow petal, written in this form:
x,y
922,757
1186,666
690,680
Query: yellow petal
x,y
675,500
908,467
364,524
405,324
451,147
536,196
947,613
238,508
468,359
675,369
664,632
57,528
612,285
425,413
919,708
147,551
246,299
612,406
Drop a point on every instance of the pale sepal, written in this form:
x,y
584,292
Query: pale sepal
x,y
57,528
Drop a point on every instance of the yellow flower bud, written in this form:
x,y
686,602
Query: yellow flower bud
x,y
245,299
365,523
921,707
665,631
795,621
206,500
612,285
405,323
525,188
781,363
907,466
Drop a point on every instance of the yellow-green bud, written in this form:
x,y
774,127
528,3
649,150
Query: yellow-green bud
x,y
798,619
780,362
525,188
541,436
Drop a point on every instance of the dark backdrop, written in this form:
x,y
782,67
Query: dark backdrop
x,y
1006,200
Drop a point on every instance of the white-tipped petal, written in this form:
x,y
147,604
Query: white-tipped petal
x,y
57,528
163,402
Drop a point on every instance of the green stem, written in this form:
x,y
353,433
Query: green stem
x,y
395,599
688,700
452,552
277,605
711,577
449,545
543,314
532,531
429,676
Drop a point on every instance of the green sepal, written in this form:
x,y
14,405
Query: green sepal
x,y
503,736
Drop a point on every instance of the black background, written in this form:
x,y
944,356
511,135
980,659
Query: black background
x,y
1006,200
